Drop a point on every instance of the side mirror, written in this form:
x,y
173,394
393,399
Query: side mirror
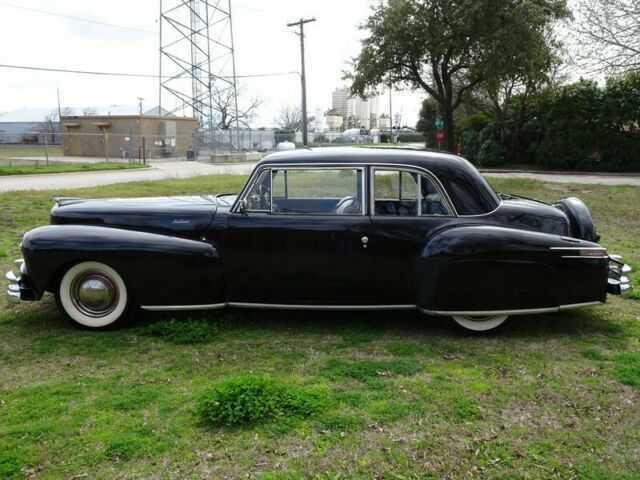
x,y
242,206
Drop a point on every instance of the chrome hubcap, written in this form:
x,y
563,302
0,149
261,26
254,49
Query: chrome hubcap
x,y
94,294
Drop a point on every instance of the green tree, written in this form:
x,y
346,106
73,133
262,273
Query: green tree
x,y
447,47
427,119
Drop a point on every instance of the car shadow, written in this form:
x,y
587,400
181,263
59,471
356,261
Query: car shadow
x,y
582,322
44,318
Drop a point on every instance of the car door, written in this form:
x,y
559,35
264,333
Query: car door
x,y
407,206
301,239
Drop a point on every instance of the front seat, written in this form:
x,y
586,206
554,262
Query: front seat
x,y
348,206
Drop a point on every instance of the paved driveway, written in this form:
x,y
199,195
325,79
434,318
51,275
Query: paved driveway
x,y
159,171
571,178
163,170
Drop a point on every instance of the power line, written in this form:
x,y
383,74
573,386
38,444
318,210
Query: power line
x,y
125,74
79,19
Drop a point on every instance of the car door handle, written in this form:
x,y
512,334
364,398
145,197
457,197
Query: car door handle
x,y
365,241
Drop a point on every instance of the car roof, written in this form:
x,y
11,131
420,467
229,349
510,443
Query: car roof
x,y
415,156
469,191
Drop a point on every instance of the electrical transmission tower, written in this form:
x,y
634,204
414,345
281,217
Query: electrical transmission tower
x,y
197,62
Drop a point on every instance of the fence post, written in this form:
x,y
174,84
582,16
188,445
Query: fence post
x,y
46,149
144,150
106,145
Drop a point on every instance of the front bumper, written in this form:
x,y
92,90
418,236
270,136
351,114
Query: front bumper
x,y
19,285
618,282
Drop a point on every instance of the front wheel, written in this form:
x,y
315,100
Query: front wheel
x,y
94,296
480,323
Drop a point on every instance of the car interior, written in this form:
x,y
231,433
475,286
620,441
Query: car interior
x,y
340,192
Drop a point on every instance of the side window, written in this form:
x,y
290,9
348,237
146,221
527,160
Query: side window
x,y
432,202
259,197
317,191
395,193
406,194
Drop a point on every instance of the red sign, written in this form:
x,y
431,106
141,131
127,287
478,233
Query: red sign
x,y
440,136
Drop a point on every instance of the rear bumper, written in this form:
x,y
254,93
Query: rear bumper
x,y
618,282
20,287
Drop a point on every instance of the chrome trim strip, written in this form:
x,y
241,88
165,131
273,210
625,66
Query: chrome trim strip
x,y
578,248
578,305
14,288
320,307
169,308
19,261
509,312
584,257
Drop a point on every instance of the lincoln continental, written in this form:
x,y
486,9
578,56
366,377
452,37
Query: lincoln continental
x,y
326,229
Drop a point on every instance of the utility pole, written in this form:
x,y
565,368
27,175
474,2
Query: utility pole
x,y
300,25
59,109
390,115
160,62
235,85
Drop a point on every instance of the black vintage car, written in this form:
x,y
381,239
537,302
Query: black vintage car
x,y
334,229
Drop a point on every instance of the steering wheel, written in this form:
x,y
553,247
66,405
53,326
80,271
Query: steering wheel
x,y
265,197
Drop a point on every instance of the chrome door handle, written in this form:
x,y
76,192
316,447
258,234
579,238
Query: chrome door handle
x,y
365,241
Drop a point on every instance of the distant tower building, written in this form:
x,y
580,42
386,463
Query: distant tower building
x,y
341,103
357,113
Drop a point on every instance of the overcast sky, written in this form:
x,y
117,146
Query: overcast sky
x,y
264,44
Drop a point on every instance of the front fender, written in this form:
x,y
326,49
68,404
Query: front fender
x,y
158,269
490,268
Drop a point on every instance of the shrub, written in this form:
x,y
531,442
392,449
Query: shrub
x,y
183,331
250,399
411,137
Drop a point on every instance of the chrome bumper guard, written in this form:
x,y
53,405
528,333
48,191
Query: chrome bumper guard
x,y
13,291
618,283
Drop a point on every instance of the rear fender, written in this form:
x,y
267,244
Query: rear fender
x,y
487,268
158,269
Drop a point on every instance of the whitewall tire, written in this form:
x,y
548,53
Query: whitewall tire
x,y
93,295
480,323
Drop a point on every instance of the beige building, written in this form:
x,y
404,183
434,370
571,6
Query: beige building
x,y
335,123
123,136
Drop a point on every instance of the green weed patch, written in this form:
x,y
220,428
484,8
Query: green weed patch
x,y
250,399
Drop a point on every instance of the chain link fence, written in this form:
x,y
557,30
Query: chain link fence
x,y
37,148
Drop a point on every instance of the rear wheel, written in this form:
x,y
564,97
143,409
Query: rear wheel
x,y
94,296
480,323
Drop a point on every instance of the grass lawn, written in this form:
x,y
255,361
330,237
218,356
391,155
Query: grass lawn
x,y
393,395
27,150
67,167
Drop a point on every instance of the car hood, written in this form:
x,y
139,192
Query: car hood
x,y
179,216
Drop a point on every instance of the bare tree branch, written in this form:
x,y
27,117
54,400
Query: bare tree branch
x,y
607,33
290,118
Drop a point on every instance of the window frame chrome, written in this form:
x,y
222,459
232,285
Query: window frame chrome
x,y
362,168
368,184
451,212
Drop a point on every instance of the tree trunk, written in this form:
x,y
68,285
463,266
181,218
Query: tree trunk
x,y
449,143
